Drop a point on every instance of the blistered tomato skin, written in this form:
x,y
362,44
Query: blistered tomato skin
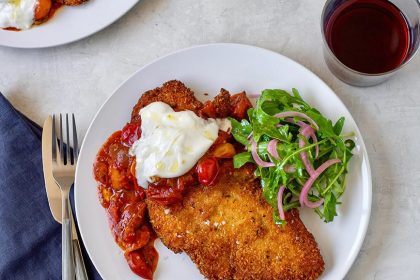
x,y
225,150
130,133
138,264
240,105
208,110
42,9
207,170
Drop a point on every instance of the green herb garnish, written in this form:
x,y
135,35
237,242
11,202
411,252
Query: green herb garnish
x,y
306,143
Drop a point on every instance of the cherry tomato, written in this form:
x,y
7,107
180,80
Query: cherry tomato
x,y
240,105
138,264
207,170
100,170
222,138
208,110
132,218
104,194
42,9
130,133
225,150
164,192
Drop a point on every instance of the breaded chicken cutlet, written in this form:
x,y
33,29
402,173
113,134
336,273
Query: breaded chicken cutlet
x,y
228,232
227,229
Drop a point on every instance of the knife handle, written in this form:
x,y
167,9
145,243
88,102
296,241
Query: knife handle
x,y
79,263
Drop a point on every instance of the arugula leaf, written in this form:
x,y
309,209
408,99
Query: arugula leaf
x,y
338,127
264,124
329,207
290,170
240,159
241,131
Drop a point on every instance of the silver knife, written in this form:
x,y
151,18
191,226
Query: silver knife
x,y
54,198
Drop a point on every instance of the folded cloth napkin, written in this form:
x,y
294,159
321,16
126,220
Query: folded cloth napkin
x,y
30,239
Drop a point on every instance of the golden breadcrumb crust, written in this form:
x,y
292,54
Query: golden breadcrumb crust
x,y
174,93
228,231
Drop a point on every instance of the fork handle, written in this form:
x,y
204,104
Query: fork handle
x,y
66,240
78,258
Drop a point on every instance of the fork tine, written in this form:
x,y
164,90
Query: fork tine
x,y
75,143
62,155
68,160
54,140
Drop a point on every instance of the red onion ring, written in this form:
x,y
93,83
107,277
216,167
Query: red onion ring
x,y
297,114
272,149
280,202
303,197
304,157
256,157
306,131
315,140
289,168
312,135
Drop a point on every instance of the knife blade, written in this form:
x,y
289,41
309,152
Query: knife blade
x,y
54,196
53,191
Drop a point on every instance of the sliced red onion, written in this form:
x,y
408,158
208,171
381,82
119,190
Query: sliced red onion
x,y
301,124
256,157
312,135
289,169
304,157
297,114
272,149
307,131
303,198
280,202
315,140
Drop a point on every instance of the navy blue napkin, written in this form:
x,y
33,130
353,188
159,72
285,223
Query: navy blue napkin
x,y
30,239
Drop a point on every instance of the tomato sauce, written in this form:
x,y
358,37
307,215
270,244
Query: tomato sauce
x,y
126,209
124,200
55,6
11,29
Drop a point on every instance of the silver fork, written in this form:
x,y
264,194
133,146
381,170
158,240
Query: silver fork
x,y
64,161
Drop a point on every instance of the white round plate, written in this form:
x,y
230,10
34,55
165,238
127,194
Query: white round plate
x,y
69,24
206,69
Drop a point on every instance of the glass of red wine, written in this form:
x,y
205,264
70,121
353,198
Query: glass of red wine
x,y
367,41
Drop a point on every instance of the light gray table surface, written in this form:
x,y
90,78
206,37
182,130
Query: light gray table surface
x,y
79,77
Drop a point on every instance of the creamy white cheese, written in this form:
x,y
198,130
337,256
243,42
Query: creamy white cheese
x,y
171,142
17,13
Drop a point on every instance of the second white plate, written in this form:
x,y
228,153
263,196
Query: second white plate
x,y
69,24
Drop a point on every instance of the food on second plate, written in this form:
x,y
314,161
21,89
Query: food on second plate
x,y
207,178
22,14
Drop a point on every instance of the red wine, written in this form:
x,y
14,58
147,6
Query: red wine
x,y
369,36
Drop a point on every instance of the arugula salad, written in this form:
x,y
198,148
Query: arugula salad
x,y
301,156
